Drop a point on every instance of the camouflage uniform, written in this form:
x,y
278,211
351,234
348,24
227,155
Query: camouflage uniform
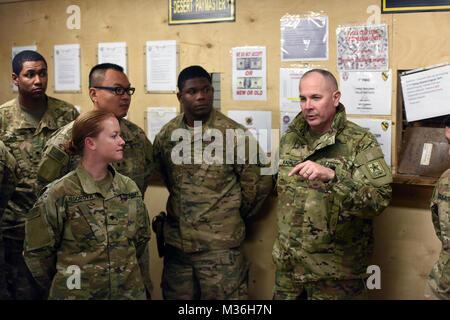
x,y
8,176
137,162
26,142
8,180
439,278
74,224
206,213
325,228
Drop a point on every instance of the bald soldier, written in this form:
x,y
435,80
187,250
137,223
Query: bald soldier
x,y
332,181
26,123
438,284
109,90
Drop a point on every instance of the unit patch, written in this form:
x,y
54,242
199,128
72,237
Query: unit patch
x,y
376,169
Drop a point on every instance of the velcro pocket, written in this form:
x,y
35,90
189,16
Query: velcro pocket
x,y
39,234
86,228
50,167
317,234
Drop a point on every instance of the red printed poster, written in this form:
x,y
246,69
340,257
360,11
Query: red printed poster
x,y
249,73
362,48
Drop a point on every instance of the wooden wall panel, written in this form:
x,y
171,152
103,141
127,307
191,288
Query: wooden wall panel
x,y
406,245
44,23
421,39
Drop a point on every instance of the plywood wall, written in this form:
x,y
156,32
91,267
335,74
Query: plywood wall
x,y
43,23
415,40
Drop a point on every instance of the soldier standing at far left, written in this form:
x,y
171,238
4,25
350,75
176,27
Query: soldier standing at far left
x,y
8,180
26,123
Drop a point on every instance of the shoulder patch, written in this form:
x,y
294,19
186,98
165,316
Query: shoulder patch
x,y
376,169
57,154
51,164
371,163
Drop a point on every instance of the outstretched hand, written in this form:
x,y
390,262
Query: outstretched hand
x,y
311,171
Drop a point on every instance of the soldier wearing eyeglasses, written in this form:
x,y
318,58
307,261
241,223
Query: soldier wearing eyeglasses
x,y
26,124
109,90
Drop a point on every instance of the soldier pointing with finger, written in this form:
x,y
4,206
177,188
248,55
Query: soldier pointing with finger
x,y
332,181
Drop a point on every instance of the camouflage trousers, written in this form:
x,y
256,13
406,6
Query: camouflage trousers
x,y
432,294
4,293
288,289
20,282
209,275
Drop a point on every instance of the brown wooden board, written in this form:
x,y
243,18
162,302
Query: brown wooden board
x,y
412,151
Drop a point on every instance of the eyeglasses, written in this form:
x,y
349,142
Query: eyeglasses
x,y
120,91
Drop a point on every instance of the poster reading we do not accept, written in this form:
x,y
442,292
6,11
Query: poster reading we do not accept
x,y
249,73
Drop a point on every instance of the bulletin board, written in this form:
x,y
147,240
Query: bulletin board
x,y
414,41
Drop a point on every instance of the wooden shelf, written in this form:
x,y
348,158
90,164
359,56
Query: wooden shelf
x,y
415,180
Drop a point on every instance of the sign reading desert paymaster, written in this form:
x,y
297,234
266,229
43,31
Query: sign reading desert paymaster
x,y
201,11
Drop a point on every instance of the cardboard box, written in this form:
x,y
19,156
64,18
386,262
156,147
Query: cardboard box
x,y
424,152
